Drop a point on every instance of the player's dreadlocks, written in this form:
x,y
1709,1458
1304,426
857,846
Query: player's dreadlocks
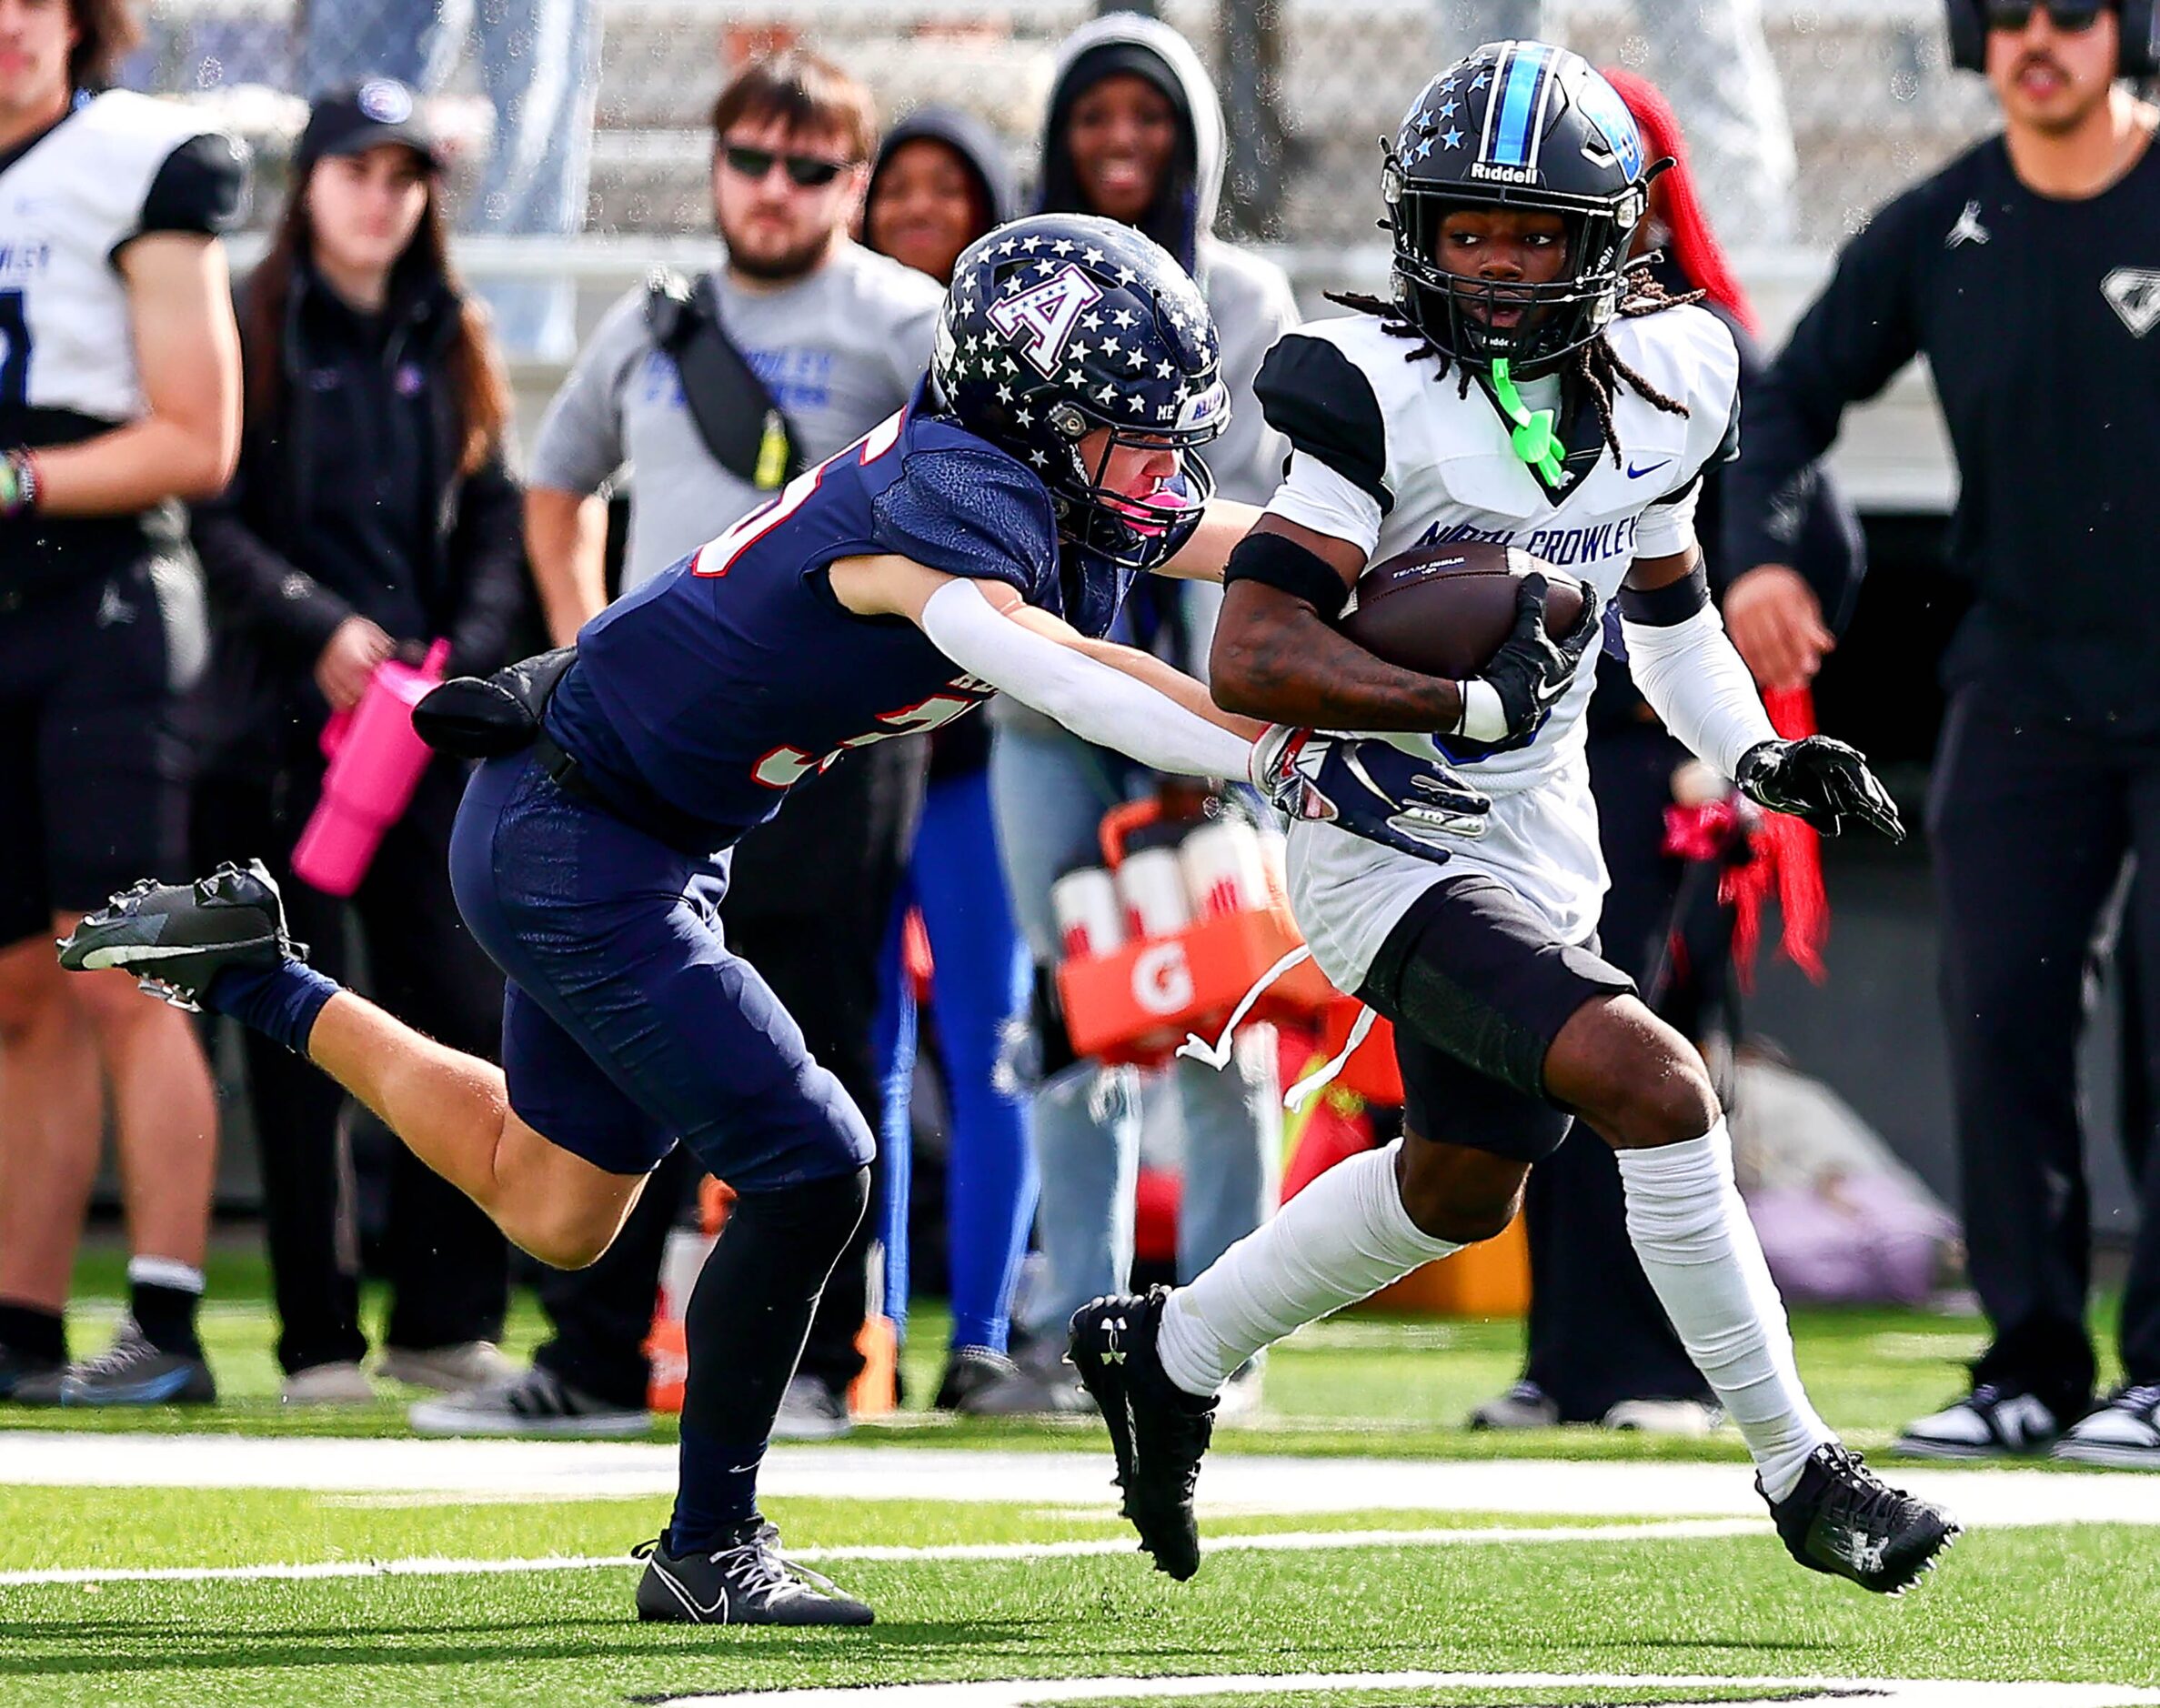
x,y
1597,365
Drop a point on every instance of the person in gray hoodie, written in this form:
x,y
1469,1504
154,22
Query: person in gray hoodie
x,y
1134,133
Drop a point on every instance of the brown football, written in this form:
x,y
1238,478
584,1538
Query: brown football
x,y
1444,610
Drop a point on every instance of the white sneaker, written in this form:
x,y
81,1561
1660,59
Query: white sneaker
x,y
812,1411
447,1369
1990,1423
2124,1433
532,1402
338,1383
1526,1406
1688,1420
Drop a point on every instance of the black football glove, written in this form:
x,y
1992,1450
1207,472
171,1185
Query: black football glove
x,y
1529,673
1368,787
1820,781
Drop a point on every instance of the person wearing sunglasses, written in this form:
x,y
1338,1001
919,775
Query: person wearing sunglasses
x,y
2027,271
818,340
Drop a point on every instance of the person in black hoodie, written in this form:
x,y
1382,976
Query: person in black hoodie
x,y
372,514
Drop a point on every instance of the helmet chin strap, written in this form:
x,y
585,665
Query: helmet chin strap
x,y
1533,438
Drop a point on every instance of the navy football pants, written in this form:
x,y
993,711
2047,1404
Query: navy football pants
x,y
627,1024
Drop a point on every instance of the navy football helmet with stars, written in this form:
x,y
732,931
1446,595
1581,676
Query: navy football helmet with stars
x,y
1516,125
1061,323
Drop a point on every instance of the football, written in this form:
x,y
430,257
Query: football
x,y
1444,610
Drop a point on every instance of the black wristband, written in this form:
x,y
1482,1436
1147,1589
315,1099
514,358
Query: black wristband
x,y
1282,564
1662,607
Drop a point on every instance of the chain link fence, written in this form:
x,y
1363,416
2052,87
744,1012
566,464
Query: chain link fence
x,y
1865,91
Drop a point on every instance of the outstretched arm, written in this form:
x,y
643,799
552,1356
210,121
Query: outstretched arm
x,y
1115,695
1202,557
1693,679
1130,700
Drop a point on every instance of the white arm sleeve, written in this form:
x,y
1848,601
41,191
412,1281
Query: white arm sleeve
x,y
1092,699
1695,680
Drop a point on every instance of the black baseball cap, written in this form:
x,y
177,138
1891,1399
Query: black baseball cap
x,y
351,121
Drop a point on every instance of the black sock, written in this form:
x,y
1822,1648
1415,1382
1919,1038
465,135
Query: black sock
x,y
166,1316
35,1332
744,1329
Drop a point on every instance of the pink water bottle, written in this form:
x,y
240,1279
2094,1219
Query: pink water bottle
x,y
376,761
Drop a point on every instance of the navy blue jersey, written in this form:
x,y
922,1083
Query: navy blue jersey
x,y
725,681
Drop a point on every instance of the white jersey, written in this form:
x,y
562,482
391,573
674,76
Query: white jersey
x,y
68,204
1388,456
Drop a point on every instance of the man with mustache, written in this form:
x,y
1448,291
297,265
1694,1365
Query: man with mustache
x,y
2027,272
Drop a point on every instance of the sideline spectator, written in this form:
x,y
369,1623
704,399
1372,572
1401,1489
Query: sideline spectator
x,y
372,514
940,181
1601,1348
2015,271
804,341
539,61
1134,133
119,395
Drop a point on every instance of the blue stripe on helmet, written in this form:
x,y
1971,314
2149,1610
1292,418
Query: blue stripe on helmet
x,y
1517,96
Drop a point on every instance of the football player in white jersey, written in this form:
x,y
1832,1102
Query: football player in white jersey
x,y
119,395
1524,386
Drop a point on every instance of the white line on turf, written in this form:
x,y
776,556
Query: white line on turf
x,y
1283,1542
1833,1693
1232,1482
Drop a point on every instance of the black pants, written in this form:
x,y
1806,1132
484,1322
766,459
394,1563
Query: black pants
x,y
2030,827
1597,1333
448,1266
809,896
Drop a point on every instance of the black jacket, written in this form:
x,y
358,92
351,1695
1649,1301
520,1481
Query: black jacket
x,y
354,504
2034,312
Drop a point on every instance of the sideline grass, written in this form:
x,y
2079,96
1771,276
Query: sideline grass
x,y
1351,1385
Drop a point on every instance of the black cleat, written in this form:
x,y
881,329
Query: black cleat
x,y
177,938
1157,1431
133,1371
1845,1519
17,1366
971,1371
745,1582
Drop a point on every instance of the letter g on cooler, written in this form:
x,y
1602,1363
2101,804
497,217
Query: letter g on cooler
x,y
1161,979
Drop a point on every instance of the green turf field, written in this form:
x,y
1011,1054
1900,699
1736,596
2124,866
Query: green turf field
x,y
1344,1594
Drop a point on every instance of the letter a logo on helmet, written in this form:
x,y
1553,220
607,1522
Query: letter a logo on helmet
x,y
1046,314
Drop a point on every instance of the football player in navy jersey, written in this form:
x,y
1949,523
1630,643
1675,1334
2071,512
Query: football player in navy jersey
x,y
119,396
980,540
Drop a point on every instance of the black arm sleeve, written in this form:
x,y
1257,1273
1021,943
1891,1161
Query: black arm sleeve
x,y
202,188
1317,399
488,559
1852,339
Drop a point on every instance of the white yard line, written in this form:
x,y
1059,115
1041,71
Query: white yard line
x,y
1230,1483
1778,1692
1283,1542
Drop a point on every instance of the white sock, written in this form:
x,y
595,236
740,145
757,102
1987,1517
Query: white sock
x,y
165,1271
1345,1235
1696,1245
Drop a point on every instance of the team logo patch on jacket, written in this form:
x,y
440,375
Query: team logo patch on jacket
x,y
2134,292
